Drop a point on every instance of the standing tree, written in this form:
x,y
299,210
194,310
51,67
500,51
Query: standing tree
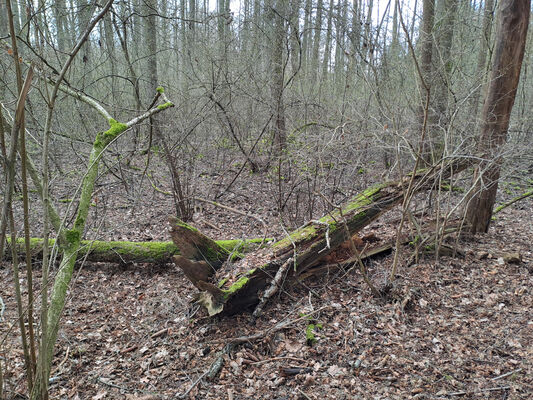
x,y
426,54
507,62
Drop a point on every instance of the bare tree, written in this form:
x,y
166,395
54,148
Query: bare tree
x,y
507,62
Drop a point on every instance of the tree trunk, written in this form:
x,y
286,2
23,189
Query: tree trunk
x,y
317,41
481,68
507,62
443,68
132,252
278,75
327,49
426,54
306,246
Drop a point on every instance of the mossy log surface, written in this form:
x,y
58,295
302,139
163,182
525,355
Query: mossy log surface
x,y
122,252
309,244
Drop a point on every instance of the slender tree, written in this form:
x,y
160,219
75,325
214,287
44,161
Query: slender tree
x,y
426,70
483,51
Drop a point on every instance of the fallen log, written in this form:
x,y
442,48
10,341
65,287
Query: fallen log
x,y
314,241
123,252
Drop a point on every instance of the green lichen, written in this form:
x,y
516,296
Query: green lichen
x,y
165,105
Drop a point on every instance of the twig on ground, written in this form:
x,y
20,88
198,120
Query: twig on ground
x,y
274,286
213,370
110,384
219,361
507,374
196,382
217,365
493,389
62,362
2,309
277,359
303,394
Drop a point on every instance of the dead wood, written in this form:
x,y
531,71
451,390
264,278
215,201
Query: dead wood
x,y
309,244
123,252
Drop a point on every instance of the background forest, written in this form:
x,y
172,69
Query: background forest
x,y
277,110
323,96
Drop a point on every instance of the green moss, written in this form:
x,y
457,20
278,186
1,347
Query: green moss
x,y
79,223
310,333
308,232
157,250
216,253
184,225
104,138
165,106
236,286
35,243
73,236
300,235
222,282
116,128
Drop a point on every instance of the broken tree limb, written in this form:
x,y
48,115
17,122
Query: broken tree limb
x,y
123,252
200,255
308,244
525,195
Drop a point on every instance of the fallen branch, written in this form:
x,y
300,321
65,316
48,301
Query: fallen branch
x,y
123,252
494,389
523,196
310,244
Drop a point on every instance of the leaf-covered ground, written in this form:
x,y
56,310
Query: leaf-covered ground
x,y
452,328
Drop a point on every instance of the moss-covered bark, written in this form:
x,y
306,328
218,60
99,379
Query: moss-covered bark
x,y
121,252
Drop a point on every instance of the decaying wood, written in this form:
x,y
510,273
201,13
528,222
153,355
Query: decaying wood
x,y
200,257
309,244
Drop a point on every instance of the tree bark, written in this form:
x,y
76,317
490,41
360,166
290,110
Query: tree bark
x,y
507,62
481,68
443,69
426,55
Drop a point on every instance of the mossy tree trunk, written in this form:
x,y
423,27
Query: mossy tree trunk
x,y
122,252
309,244
70,242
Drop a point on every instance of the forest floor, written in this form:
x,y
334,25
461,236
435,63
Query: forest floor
x,y
450,328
